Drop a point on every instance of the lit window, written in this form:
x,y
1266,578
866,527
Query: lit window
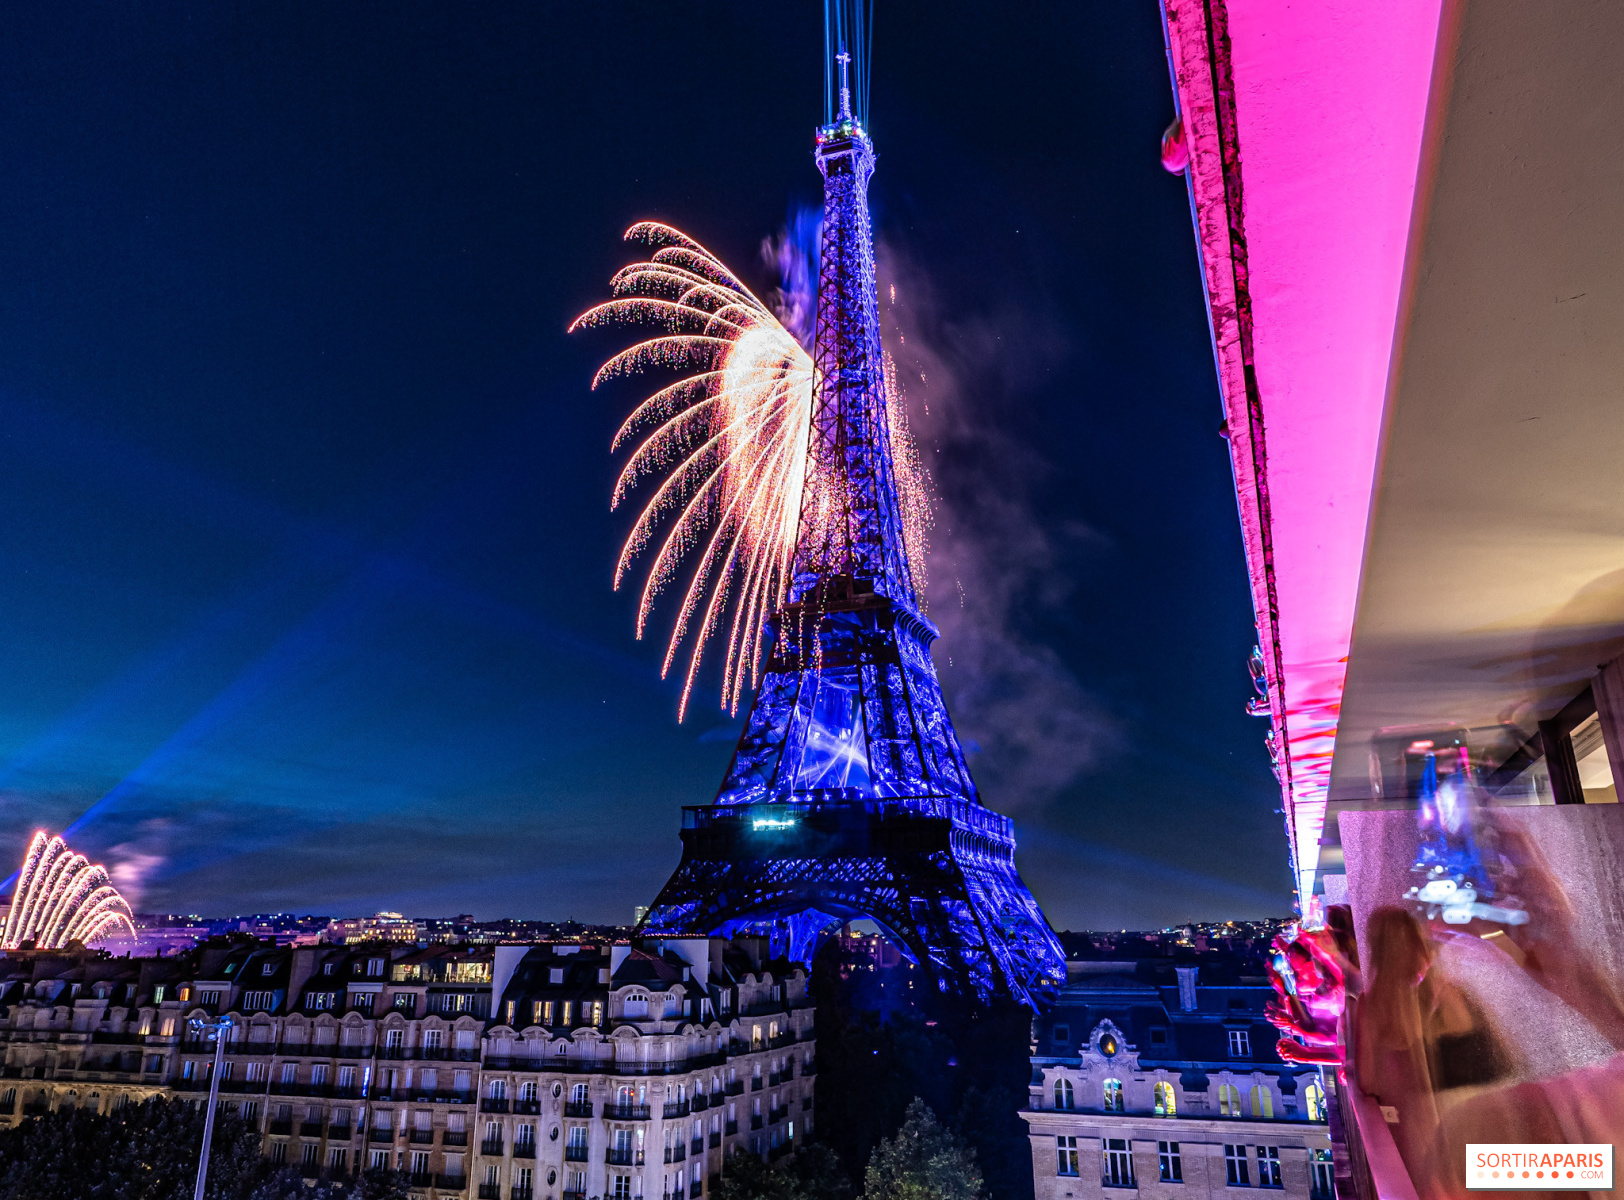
x,y
1167,1158
1240,1044
1113,1096
1229,1100
1165,1104
1235,1166
1063,1098
1314,1098
1066,1152
1321,1181
1262,1102
1116,1166
1268,1166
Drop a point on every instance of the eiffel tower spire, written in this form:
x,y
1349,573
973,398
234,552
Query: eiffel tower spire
x,y
848,795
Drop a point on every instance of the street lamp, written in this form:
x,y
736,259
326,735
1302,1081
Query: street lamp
x,y
205,1030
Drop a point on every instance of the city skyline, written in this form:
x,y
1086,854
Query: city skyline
x,y
323,610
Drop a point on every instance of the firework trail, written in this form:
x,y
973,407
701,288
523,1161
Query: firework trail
x,y
727,444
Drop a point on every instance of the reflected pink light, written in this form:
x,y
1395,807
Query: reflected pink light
x,y
1330,104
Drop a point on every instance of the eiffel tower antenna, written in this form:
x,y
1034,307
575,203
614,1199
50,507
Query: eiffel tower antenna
x,y
849,796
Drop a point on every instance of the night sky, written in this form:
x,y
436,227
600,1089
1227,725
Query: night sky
x,y
305,546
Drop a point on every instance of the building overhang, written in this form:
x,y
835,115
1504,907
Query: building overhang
x,y
1407,217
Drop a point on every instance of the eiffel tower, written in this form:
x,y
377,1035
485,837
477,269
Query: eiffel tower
x,y
849,796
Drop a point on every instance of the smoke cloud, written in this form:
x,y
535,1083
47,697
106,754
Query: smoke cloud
x,y
996,571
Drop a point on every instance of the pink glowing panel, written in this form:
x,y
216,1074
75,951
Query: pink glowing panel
x,y
1330,101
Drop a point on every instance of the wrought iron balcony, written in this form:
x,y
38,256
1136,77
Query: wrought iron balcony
x,y
490,1191
451,1183
626,1112
422,1137
310,1129
578,1108
524,1149
377,1135
520,1192
731,1128
284,1128
700,1102
755,1083
735,1087
697,1145
617,1156
527,1107
339,1131
755,1121
454,1137
777,1115
675,1109
574,1152
675,1154
716,1139
491,1147
492,1104
696,1190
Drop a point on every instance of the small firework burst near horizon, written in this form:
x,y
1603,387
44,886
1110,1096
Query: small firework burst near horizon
x,y
724,448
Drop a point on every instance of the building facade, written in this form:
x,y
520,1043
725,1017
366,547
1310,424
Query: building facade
x,y
506,1073
1171,1090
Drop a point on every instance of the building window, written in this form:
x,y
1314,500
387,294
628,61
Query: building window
x,y
279,1153
1240,1044
379,1160
1229,1100
208,999
1167,1158
1314,1098
1116,1167
1113,1095
1268,1166
1320,1179
498,1089
318,1074
597,1012
337,1159
622,1187
1235,1166
158,994
1063,1098
1262,1102
320,1001
1165,1105
362,1001
308,1152
406,1001
258,1001
420,1164
1066,1151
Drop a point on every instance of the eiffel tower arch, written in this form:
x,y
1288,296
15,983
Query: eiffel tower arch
x,y
848,795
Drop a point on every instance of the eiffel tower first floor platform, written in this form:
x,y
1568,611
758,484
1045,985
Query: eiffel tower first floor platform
x,y
937,875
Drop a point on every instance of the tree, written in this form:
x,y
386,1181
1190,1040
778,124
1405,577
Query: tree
x,y
922,1162
814,1174
149,1152
141,1152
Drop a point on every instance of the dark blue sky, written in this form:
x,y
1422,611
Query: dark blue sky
x,y
304,539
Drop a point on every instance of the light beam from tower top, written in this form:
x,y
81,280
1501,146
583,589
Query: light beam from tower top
x,y
848,34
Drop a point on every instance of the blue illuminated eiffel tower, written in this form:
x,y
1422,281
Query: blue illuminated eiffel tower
x,y
848,795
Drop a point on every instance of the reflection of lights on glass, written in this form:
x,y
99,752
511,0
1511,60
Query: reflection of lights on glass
x,y
1420,747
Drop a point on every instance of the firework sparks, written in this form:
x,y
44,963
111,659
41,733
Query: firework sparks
x,y
728,445
730,440
62,897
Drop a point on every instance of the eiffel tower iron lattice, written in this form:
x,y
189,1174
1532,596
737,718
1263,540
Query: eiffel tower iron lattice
x,y
848,795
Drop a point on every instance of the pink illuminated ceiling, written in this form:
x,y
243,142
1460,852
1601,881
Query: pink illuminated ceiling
x,y
1306,139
